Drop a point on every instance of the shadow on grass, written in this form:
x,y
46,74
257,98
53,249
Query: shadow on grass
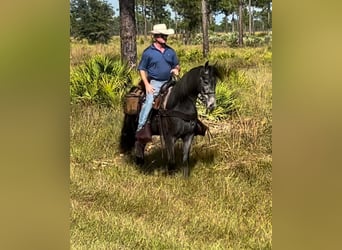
x,y
156,160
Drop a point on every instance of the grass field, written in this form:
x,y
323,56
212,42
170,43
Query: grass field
x,y
225,204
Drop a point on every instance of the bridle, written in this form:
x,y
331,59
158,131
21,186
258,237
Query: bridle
x,y
203,94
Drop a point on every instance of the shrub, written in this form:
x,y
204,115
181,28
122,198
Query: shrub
x,y
232,39
253,41
267,57
190,55
99,80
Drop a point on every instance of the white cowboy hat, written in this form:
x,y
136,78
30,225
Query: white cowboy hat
x,y
161,29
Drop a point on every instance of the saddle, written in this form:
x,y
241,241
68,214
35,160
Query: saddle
x,y
136,96
159,104
161,99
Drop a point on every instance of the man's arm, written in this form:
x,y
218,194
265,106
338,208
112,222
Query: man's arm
x,y
148,86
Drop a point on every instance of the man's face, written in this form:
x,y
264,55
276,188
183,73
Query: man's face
x,y
161,38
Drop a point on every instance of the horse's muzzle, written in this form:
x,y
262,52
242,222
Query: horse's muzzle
x,y
211,103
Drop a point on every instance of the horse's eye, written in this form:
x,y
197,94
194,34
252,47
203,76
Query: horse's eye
x,y
205,79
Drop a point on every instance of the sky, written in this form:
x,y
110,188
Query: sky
x,y
115,4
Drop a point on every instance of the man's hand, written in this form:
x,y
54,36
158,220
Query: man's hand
x,y
149,89
175,71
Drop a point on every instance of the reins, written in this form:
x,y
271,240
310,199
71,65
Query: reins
x,y
163,113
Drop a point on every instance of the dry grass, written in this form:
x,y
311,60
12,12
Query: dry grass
x,y
225,204
116,205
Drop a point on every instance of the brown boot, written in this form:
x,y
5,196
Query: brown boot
x,y
200,128
144,135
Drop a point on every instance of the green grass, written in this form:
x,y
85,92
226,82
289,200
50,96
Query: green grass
x,y
119,208
225,204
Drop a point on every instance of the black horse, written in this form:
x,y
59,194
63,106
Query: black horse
x,y
178,119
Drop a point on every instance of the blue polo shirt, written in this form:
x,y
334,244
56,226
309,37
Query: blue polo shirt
x,y
157,64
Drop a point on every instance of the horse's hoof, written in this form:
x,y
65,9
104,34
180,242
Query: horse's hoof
x,y
172,172
139,161
171,169
186,173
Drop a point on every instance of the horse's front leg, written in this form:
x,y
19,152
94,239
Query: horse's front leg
x,y
139,153
187,140
170,149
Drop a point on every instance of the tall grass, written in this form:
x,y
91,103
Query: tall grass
x,y
225,204
115,205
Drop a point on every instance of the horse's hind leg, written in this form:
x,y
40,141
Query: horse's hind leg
x,y
186,154
139,153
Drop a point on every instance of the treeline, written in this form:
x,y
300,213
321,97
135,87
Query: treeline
x,y
97,21
187,15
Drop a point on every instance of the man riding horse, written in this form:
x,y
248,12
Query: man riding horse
x,y
158,63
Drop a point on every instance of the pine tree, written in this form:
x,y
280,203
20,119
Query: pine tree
x,y
92,20
128,32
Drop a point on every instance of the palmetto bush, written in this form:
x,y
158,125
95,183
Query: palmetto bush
x,y
253,41
186,55
230,39
99,80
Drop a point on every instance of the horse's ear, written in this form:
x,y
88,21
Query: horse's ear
x,y
206,67
206,64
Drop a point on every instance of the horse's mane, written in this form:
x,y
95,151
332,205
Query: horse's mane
x,y
185,85
189,83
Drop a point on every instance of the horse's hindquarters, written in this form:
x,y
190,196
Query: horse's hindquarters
x,y
127,138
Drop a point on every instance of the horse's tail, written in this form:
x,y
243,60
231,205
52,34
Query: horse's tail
x,y
127,138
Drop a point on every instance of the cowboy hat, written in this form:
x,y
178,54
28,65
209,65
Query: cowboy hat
x,y
161,29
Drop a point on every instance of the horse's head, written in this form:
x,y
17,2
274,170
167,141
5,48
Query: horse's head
x,y
208,76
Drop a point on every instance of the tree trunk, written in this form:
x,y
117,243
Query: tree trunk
x,y
128,33
145,21
205,28
176,28
137,20
240,23
253,24
233,21
269,16
226,24
250,17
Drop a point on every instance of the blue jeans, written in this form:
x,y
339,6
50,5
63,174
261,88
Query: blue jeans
x,y
147,105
